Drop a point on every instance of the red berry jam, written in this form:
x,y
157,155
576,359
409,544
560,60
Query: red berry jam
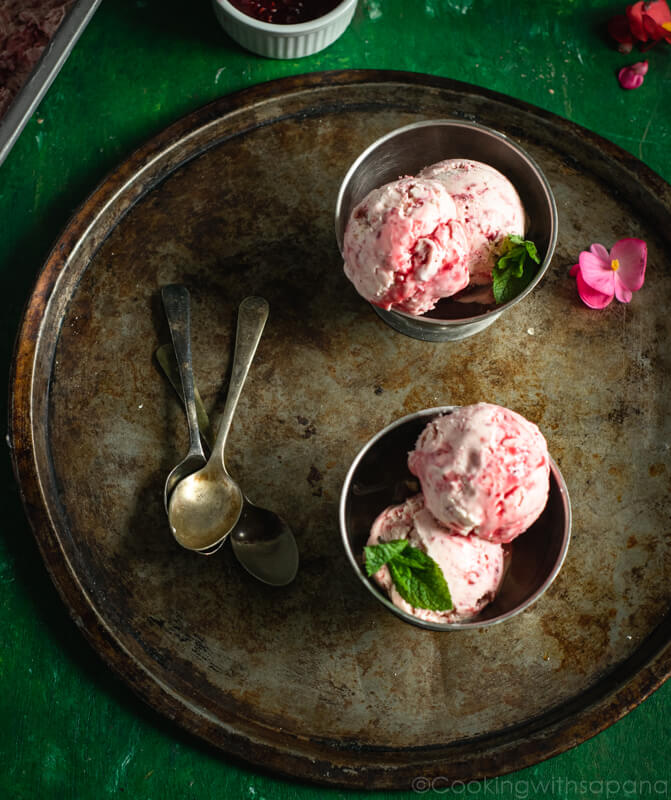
x,y
285,12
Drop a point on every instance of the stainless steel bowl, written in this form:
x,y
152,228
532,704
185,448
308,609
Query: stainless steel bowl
x,y
379,477
406,151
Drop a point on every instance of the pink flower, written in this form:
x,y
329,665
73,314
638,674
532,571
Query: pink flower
x,y
643,22
650,21
631,77
601,275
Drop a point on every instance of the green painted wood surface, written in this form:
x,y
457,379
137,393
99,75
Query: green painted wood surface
x,y
68,728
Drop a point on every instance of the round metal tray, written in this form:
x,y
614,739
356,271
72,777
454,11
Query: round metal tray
x,y
317,680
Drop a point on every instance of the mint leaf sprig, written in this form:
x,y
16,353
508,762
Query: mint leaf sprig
x,y
417,577
515,268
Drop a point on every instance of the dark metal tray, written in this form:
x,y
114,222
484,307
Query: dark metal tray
x,y
317,680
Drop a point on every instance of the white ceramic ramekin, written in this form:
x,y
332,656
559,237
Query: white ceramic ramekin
x,y
284,41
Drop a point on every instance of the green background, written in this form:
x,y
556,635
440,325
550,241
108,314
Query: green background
x,y
69,728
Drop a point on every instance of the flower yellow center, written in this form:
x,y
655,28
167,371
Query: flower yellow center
x,y
615,265
666,26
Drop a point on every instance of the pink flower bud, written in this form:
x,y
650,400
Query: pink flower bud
x,y
631,77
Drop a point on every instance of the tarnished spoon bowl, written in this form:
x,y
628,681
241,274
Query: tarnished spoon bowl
x,y
265,546
204,508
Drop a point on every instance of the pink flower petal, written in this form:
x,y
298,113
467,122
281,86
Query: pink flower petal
x,y
621,292
631,77
597,273
600,252
574,270
655,16
653,29
588,260
659,11
591,297
635,19
632,255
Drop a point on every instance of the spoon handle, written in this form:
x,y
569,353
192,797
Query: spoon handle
x,y
177,306
165,355
252,316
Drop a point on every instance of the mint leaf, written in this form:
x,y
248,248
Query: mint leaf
x,y
417,577
377,555
422,583
515,268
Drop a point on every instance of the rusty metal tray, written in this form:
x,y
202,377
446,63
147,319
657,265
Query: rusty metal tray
x,y
318,681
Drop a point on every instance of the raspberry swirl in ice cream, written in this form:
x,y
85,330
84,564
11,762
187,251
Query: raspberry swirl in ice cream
x,y
404,248
473,567
484,470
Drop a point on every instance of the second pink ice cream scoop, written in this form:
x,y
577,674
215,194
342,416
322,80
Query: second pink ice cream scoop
x,y
488,207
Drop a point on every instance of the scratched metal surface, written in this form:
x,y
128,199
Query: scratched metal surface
x,y
317,680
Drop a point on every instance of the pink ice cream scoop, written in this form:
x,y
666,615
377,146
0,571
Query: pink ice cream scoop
x,y
403,247
488,207
484,470
473,567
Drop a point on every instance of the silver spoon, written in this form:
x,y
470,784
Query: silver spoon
x,y
262,541
177,306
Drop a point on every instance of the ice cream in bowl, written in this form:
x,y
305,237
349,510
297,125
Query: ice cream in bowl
x,y
443,225
456,517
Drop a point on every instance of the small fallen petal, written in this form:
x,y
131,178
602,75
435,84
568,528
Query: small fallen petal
x,y
631,77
